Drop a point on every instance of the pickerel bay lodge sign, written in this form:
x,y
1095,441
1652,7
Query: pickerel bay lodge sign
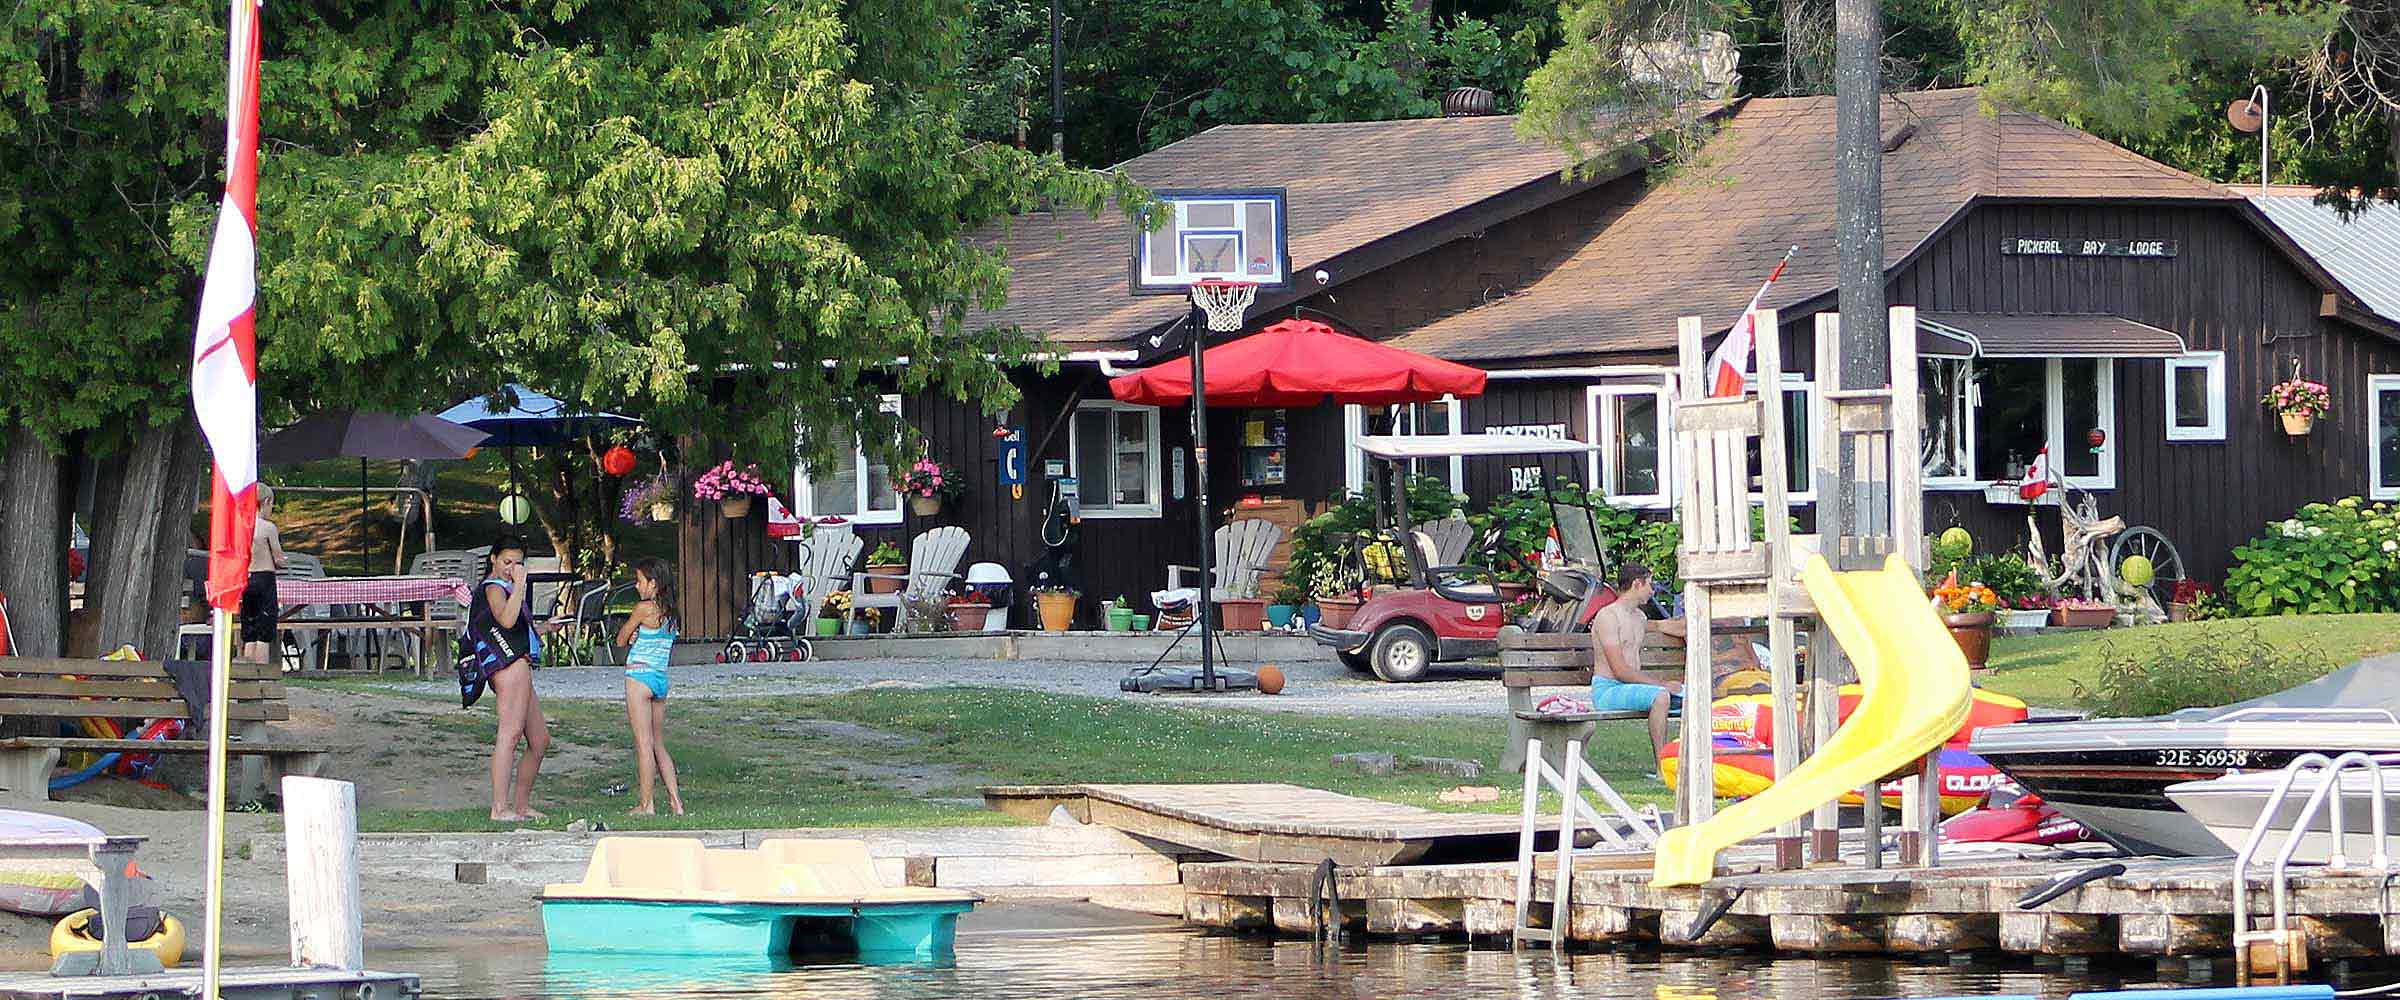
x,y
2048,246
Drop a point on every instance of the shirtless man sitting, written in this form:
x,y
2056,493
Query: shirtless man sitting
x,y
1619,684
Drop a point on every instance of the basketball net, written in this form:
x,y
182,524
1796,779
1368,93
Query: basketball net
x,y
1225,303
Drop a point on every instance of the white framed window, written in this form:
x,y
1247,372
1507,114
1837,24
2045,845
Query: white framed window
x,y
2196,397
1439,417
857,487
1799,440
2383,437
1633,424
1113,454
1987,420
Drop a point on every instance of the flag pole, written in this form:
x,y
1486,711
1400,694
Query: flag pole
x,y
220,668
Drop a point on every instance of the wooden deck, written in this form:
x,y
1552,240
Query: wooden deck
x,y
2159,907
236,984
1272,822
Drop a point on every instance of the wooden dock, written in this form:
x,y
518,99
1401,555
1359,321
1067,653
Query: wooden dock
x,y
279,983
1273,822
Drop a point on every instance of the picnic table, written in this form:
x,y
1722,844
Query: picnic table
x,y
374,604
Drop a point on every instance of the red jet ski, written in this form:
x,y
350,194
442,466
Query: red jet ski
x,y
2012,815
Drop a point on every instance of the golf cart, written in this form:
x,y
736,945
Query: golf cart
x,y
1452,613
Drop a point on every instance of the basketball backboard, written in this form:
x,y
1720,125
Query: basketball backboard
x,y
1212,235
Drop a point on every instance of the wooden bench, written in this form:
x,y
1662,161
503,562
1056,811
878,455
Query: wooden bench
x,y
35,688
1564,659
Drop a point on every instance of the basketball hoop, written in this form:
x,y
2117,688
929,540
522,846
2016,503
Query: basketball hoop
x,y
1226,303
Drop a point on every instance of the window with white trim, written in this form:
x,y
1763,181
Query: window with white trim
x,y
1799,441
1114,457
1987,420
857,487
1631,424
2196,397
1439,417
2383,437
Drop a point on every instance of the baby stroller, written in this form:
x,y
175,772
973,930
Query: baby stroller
x,y
773,628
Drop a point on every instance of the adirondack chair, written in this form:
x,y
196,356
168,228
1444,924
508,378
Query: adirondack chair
x,y
825,564
1242,550
933,559
1444,542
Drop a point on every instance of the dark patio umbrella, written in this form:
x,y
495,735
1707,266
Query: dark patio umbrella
x,y
533,419
366,435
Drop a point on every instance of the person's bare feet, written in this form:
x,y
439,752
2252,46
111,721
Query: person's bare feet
x,y
532,813
642,811
503,816
676,805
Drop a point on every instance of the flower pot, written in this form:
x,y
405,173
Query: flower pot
x,y
1120,619
661,510
1241,614
2028,618
1973,633
1510,591
737,505
1141,623
2178,612
825,626
1335,612
860,626
2298,424
969,617
2083,617
1280,615
875,571
925,506
1058,610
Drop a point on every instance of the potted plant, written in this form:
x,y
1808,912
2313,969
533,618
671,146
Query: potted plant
x,y
1336,594
1057,605
1241,614
1969,609
1288,598
829,619
2299,402
866,620
1118,614
887,569
969,611
928,485
735,487
2186,594
649,499
2083,612
2026,613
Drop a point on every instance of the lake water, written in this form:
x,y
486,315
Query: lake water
x,y
1183,963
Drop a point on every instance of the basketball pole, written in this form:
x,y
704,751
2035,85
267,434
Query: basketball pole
x,y
1208,661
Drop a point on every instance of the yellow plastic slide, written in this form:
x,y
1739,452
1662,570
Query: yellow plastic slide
x,y
1916,695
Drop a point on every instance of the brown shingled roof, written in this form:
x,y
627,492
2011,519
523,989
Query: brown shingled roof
x,y
1701,242
1349,184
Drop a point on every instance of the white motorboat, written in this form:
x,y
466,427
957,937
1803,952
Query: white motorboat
x,y
2229,807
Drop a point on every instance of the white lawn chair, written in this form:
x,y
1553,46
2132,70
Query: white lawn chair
x,y
456,564
1444,542
825,561
1241,558
307,643
933,559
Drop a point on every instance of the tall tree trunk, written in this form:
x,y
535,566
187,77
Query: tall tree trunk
x,y
170,593
129,515
1858,212
32,545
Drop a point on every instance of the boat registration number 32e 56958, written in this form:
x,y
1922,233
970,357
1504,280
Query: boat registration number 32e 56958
x,y
2189,757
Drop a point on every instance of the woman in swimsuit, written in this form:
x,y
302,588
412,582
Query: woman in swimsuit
x,y
650,631
502,645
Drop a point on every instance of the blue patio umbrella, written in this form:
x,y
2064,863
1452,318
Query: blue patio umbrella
x,y
532,419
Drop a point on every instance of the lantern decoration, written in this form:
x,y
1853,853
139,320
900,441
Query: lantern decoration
x,y
2096,436
515,509
617,461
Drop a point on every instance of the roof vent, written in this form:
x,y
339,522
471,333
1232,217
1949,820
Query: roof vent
x,y
1469,102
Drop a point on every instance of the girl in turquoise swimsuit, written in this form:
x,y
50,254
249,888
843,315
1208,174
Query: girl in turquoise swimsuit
x,y
650,631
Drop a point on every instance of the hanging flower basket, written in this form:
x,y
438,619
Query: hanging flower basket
x,y
662,510
2299,401
2298,424
735,487
925,506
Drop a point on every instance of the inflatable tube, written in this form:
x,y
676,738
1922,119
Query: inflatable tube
x,y
1744,768
1752,716
73,778
70,935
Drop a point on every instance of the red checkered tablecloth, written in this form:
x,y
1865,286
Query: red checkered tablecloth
x,y
369,590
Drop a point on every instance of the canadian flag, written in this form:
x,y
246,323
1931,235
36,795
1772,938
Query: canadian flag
x,y
2037,477
225,348
1728,367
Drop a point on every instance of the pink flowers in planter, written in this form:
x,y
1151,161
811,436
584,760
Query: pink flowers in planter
x,y
2299,397
930,480
727,481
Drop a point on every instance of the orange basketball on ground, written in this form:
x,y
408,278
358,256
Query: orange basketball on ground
x,y
1270,680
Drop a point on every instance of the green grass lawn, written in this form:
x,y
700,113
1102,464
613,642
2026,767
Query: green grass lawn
x,y
914,757
2044,669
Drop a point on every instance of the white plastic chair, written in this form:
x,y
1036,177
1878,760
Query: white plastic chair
x,y
1242,550
933,559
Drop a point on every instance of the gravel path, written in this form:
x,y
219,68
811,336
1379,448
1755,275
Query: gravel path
x,y
1319,686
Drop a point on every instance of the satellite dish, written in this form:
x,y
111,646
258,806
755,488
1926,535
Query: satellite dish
x,y
2245,115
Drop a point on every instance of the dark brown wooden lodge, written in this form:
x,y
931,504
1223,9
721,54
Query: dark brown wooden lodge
x,y
2080,298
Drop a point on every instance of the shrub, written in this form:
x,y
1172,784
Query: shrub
x,y
2216,668
2009,576
1318,542
2328,558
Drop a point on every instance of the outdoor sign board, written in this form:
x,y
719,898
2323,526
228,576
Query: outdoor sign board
x,y
2052,246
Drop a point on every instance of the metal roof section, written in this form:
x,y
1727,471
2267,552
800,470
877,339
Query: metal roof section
x,y
2362,252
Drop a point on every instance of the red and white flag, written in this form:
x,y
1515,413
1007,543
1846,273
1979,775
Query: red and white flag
x,y
225,349
2037,478
1728,367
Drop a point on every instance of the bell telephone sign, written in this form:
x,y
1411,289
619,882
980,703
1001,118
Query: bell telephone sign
x,y
1012,462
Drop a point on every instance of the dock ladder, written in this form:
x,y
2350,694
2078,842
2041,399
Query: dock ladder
x,y
2287,947
1628,830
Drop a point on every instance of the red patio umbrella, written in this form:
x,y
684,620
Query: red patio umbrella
x,y
1300,363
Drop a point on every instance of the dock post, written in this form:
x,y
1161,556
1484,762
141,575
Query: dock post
x,y
320,846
